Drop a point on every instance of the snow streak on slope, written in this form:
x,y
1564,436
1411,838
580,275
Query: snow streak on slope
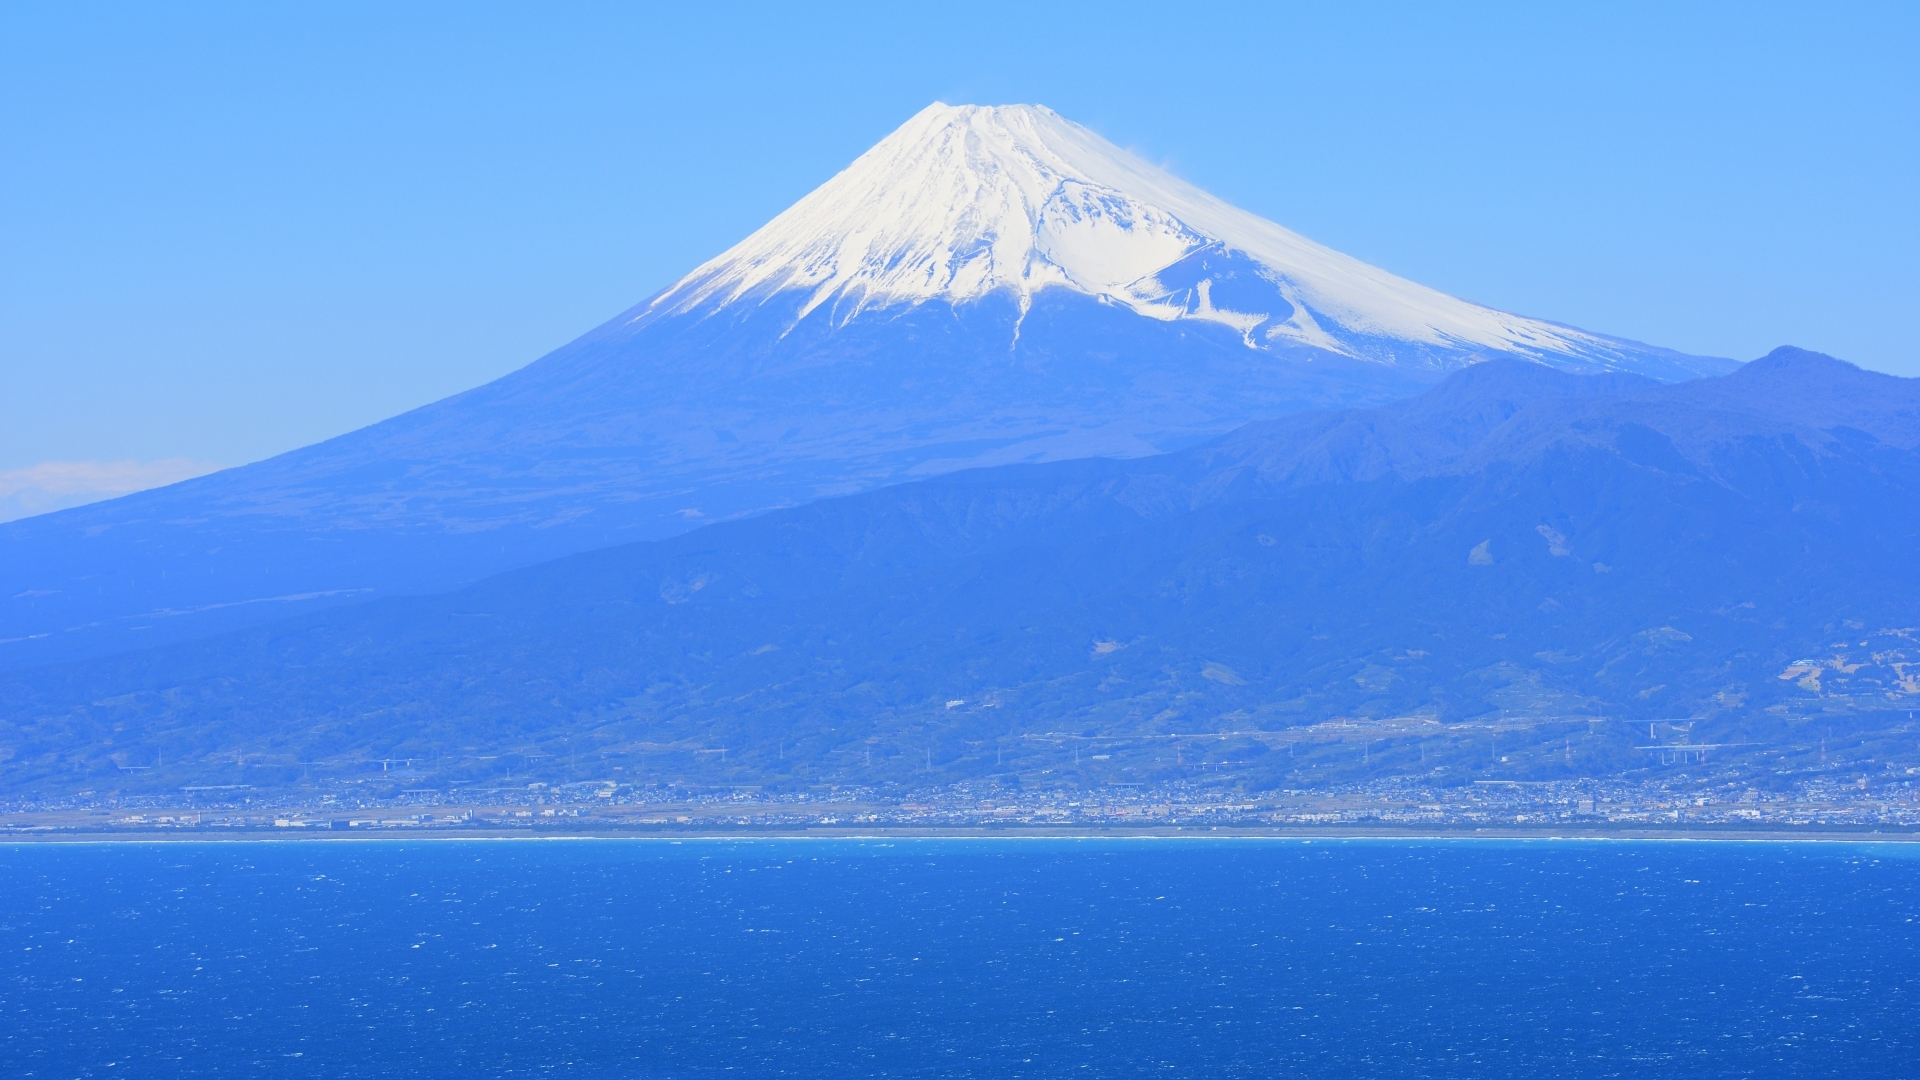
x,y
965,200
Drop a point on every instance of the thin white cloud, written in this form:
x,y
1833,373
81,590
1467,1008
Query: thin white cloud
x,y
56,485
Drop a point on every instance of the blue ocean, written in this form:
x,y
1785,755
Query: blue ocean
x,y
960,958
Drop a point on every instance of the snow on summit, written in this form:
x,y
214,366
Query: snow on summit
x,y
985,287
965,200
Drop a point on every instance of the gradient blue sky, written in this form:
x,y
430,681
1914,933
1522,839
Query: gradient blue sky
x,y
226,231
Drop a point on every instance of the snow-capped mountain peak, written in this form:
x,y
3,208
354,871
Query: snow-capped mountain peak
x,y
963,201
985,287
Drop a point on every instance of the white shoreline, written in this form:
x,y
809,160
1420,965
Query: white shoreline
x,y
1911,840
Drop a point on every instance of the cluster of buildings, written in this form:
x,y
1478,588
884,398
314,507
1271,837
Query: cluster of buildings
x,y
1851,802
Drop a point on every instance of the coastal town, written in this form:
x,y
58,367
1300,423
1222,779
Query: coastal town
x,y
1888,804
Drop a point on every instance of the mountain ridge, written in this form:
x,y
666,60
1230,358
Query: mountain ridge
x,y
1756,579
669,417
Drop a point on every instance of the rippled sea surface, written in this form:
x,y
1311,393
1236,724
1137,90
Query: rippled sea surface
x,y
1014,958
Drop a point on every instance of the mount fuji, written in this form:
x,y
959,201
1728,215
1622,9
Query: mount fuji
x,y
985,286
966,204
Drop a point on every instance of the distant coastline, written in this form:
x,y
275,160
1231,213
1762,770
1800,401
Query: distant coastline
x,y
1854,834
1707,807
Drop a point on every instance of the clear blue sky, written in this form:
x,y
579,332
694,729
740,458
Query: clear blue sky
x,y
226,231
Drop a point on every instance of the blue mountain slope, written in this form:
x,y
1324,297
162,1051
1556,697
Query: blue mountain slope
x,y
1518,547
984,287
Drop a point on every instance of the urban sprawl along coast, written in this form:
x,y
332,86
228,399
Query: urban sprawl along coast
x,y
1686,803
